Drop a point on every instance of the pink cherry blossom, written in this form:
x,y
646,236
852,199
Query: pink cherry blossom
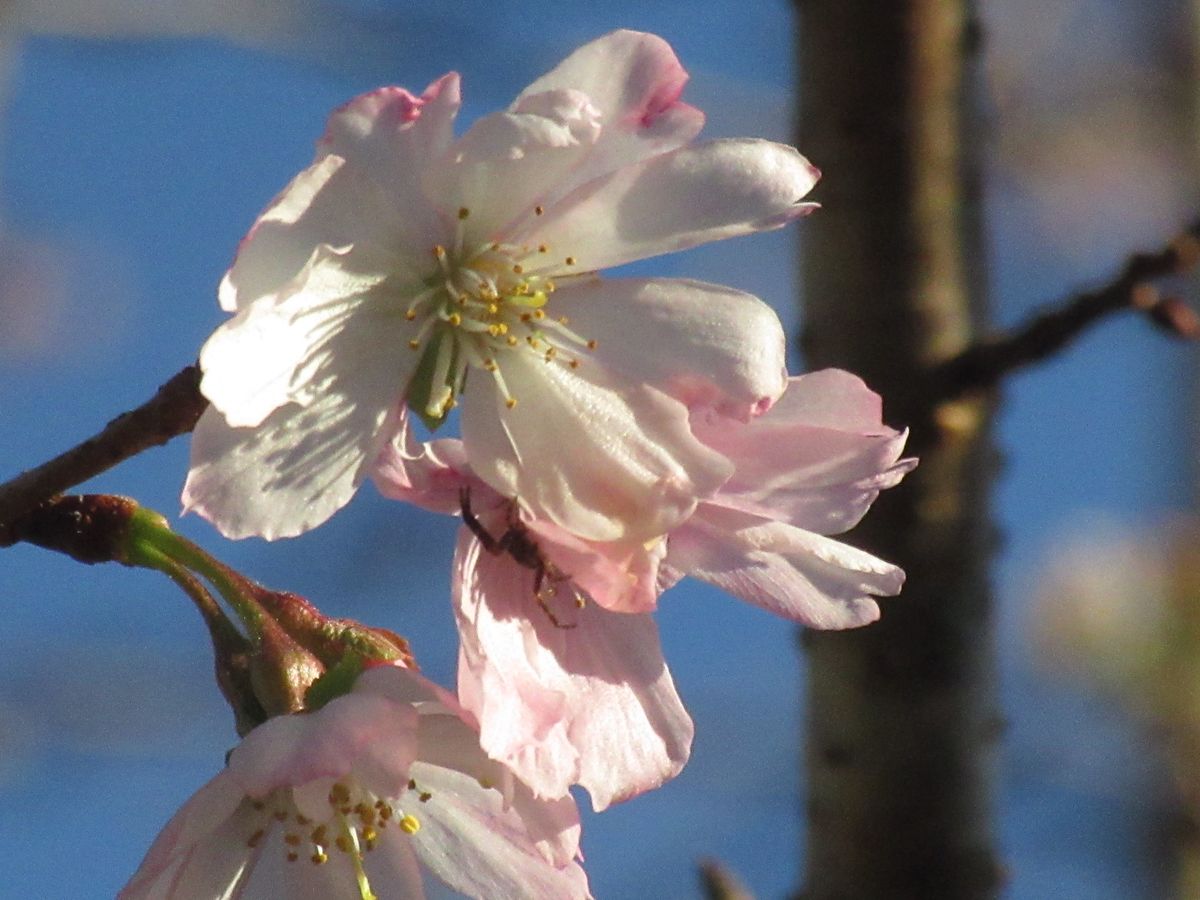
x,y
358,799
808,468
566,691
405,263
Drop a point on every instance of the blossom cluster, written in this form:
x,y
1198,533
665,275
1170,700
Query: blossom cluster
x,y
614,436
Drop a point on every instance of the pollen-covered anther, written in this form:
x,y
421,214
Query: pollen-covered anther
x,y
414,344
319,857
539,314
410,824
454,319
490,365
510,402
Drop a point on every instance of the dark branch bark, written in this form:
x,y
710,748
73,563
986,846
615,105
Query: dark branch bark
x,y
901,718
172,411
986,362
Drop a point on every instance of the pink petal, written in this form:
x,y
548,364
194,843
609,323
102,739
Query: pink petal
x,y
818,459
605,459
793,573
704,344
430,475
634,80
592,704
690,196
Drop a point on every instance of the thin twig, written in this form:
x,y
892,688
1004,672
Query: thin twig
x,y
172,411
985,363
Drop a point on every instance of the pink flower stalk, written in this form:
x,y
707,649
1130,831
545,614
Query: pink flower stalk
x,y
565,691
405,263
358,800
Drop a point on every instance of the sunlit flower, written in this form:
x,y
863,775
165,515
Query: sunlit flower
x,y
408,270
566,691
355,800
809,468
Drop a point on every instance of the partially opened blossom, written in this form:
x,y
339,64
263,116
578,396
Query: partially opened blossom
x,y
362,798
566,690
809,468
409,271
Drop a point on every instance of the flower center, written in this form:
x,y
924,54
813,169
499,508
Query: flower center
x,y
351,826
483,304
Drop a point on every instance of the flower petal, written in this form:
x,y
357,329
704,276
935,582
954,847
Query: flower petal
x,y
818,459
793,573
603,459
704,344
367,733
634,80
510,161
478,847
592,703
198,853
690,196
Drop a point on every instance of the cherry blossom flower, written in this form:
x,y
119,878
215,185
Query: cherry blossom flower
x,y
808,468
405,263
559,657
355,800
568,693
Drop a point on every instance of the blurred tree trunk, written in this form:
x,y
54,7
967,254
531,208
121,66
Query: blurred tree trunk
x,y
901,719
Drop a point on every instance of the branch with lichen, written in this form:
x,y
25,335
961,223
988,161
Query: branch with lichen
x,y
172,411
985,363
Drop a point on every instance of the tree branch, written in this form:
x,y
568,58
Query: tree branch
x,y
983,364
172,411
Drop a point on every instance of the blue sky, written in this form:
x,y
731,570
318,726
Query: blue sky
x,y
130,165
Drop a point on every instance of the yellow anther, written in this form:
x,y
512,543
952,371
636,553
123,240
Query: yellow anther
x,y
550,354
570,260
503,326
563,320
494,330
253,840
490,365
510,402
463,212
454,319
439,251
319,857
539,298
549,286
410,824
511,340
518,269
539,314
410,315
493,308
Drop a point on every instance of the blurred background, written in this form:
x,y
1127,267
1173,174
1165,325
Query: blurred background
x,y
137,144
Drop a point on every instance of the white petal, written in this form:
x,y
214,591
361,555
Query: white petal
x,y
330,203
470,841
793,573
601,458
271,350
508,162
289,474
703,344
690,196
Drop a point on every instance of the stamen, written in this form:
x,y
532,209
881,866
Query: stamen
x,y
410,824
